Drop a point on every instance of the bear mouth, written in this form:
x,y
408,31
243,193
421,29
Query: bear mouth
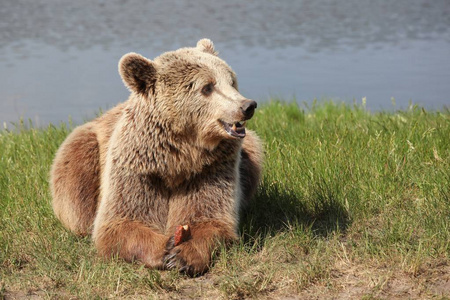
x,y
236,130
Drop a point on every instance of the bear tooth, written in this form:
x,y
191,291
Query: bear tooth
x,y
234,127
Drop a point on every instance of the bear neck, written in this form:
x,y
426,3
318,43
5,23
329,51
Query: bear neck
x,y
150,145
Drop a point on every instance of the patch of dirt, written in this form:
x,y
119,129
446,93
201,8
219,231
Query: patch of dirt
x,y
356,282
30,295
347,281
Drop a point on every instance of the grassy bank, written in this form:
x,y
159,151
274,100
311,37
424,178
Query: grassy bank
x,y
352,204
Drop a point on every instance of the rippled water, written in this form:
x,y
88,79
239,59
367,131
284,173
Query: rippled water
x,y
59,58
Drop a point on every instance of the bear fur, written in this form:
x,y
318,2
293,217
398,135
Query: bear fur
x,y
175,153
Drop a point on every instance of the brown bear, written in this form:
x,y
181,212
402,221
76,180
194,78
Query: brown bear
x,y
175,153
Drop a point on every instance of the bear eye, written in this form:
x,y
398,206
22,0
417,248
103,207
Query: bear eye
x,y
208,89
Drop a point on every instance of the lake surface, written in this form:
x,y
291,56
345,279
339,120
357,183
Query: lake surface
x,y
59,58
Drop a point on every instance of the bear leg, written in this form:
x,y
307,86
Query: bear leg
x,y
131,241
75,180
194,255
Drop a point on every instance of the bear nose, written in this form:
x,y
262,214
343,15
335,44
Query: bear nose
x,y
248,108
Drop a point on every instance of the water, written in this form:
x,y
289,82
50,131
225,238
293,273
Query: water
x,y
59,58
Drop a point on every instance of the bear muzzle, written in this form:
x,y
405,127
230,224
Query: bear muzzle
x,y
237,129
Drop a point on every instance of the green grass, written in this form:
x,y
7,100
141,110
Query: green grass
x,y
352,204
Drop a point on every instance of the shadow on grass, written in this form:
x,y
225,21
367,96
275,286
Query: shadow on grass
x,y
274,208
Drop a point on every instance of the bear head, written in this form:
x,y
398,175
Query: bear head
x,y
192,91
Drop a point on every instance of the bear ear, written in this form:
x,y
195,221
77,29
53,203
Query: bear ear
x,y
206,45
138,73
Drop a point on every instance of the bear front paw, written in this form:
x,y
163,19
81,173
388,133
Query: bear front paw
x,y
186,258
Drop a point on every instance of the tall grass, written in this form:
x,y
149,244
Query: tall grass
x,y
343,189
